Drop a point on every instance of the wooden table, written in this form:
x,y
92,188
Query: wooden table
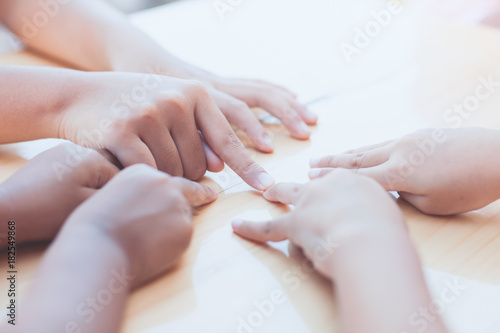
x,y
411,73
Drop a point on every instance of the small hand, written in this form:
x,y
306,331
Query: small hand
x,y
148,214
235,97
329,213
44,192
157,120
439,171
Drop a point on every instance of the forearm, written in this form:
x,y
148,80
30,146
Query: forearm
x,y
91,35
380,285
32,101
82,285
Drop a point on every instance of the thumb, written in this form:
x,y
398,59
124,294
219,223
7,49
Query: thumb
x,y
195,194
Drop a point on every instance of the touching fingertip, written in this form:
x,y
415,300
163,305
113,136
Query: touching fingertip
x,y
265,181
267,195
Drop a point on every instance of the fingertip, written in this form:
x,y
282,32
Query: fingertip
x,y
236,224
267,143
210,194
314,162
306,114
315,173
264,181
263,143
311,118
215,165
302,132
268,195
214,193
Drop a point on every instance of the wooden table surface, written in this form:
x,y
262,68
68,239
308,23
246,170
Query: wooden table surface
x,y
418,67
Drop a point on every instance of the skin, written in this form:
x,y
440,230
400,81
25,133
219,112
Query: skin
x,y
450,178
98,110
102,39
67,175
362,245
136,235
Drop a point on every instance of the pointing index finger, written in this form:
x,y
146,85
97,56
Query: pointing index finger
x,y
222,139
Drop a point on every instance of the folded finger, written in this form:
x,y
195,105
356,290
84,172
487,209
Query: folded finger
x,y
164,150
132,150
190,149
214,163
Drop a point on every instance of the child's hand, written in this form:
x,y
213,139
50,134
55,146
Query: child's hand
x,y
44,192
156,120
439,171
235,97
338,210
148,214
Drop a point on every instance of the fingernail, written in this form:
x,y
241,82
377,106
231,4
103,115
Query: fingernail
x,y
314,173
313,117
266,140
214,192
236,223
314,162
303,128
265,181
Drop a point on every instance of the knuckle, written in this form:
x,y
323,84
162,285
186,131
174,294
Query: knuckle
x,y
121,128
173,193
249,168
231,142
267,228
289,116
196,88
173,102
356,161
238,106
330,160
144,113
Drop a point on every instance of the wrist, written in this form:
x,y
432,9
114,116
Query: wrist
x,y
121,247
92,238
79,89
71,84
